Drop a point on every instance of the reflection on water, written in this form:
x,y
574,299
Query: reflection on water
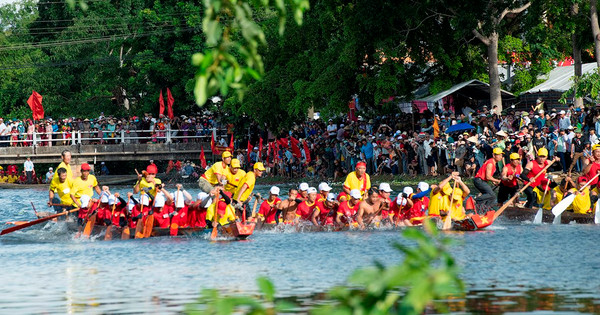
x,y
508,268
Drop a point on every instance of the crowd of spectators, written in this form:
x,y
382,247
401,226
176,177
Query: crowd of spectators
x,y
104,130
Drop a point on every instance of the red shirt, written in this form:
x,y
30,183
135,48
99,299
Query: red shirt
x,y
482,173
510,170
593,171
386,213
268,211
326,215
536,169
305,210
348,213
196,217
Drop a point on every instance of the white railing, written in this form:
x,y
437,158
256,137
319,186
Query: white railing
x,y
76,137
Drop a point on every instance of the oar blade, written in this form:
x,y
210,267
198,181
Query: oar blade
x,y
34,222
447,223
563,205
126,233
538,217
148,226
597,213
557,219
214,233
108,234
89,226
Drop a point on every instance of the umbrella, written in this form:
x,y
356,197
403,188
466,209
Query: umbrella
x,y
459,127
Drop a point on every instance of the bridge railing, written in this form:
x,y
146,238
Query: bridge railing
x,y
111,137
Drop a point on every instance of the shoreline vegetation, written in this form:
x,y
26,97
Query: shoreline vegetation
x,y
427,274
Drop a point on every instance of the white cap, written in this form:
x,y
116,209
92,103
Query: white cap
x,y
104,197
111,200
401,201
84,200
204,199
179,199
159,201
144,200
407,190
324,187
423,186
274,190
130,205
385,187
303,186
331,197
50,169
562,112
202,195
355,193
312,190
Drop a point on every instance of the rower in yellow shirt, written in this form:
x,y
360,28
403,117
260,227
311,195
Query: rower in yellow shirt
x,y
222,205
559,192
247,186
216,174
84,185
582,203
439,199
359,179
66,164
60,191
148,181
234,176
12,178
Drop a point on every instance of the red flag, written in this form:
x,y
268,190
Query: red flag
x,y
170,101
231,144
249,150
260,147
161,102
276,151
283,142
35,103
295,149
306,152
202,158
213,147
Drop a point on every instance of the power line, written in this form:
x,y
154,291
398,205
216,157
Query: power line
x,y
98,28
74,19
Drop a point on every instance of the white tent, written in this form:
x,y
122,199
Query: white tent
x,y
560,79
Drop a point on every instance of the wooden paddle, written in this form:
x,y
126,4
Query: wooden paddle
x,y
36,214
91,221
149,224
126,234
34,222
139,228
173,226
567,201
214,233
510,201
108,234
538,215
597,213
448,221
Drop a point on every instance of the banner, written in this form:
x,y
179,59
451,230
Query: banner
x,y
170,102
231,144
248,153
202,158
35,103
161,102
295,149
260,147
306,152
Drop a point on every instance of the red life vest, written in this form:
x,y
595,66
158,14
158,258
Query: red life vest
x,y
510,170
536,169
348,213
481,173
326,215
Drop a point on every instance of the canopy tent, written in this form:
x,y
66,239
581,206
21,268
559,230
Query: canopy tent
x,y
476,92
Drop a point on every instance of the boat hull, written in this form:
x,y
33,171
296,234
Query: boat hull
x,y
526,214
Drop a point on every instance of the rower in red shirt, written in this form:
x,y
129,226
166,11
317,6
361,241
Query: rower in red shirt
x,y
418,211
346,214
197,210
385,191
306,207
325,211
324,190
592,167
401,207
269,207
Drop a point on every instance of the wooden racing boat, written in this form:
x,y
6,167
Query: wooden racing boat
x,y
527,214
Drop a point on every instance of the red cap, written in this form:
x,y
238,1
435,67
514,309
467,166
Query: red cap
x,y
151,169
85,167
582,179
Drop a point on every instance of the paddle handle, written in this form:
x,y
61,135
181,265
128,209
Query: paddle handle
x,y
497,214
448,221
30,223
588,182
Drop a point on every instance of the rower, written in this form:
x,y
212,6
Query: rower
x,y
532,169
84,185
147,181
303,191
182,201
234,176
485,176
418,211
359,179
197,210
162,208
582,203
324,190
440,196
60,192
325,211
288,207
559,192
591,168
216,174
66,164
305,208
268,208
459,194
510,174
385,191
347,210
368,208
242,195
221,203
400,207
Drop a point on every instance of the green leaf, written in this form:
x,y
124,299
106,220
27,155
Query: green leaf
x,y
266,287
200,90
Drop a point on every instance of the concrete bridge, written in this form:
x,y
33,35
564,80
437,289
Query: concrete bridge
x,y
89,153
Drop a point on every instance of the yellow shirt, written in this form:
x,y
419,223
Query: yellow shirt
x,y
63,190
438,202
362,184
458,211
546,202
249,180
559,196
582,203
80,187
152,186
233,181
211,174
12,179
3,179
222,219
69,172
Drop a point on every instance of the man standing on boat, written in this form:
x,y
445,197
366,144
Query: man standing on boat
x,y
592,165
532,169
234,176
60,192
485,176
510,175
66,164
216,174
359,179
148,182
84,185
242,195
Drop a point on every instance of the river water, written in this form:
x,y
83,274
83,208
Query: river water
x,y
510,267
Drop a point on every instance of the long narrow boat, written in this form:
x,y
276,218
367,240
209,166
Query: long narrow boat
x,y
526,214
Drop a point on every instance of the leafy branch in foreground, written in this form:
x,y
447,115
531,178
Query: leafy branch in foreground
x,y
427,274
